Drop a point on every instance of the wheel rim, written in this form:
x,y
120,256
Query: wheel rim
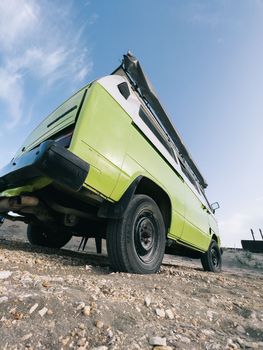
x,y
145,236
215,258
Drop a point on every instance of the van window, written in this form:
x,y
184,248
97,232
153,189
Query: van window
x,y
189,176
157,131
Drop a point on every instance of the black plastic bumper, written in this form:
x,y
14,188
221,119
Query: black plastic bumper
x,y
50,160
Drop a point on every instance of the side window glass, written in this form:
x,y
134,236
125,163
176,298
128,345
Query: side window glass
x,y
153,126
189,176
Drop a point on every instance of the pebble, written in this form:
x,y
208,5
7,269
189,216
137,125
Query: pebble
x,y
160,312
231,345
33,308
45,284
3,299
81,342
99,324
86,310
208,332
169,314
157,341
80,306
162,347
110,333
147,301
43,311
65,341
26,337
241,329
184,339
5,274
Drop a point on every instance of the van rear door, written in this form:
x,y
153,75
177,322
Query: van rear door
x,y
64,116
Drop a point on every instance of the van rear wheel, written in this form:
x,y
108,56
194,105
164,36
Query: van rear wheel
x,y
136,242
42,236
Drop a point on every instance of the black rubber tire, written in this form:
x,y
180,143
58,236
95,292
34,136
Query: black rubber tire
x,y
136,242
212,259
41,236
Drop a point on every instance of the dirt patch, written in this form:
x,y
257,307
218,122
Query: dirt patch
x,y
64,299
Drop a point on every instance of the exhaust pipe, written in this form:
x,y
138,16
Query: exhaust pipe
x,y
17,203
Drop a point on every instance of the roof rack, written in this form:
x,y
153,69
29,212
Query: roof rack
x,y
142,85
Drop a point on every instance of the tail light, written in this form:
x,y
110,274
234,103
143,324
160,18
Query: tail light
x,y
65,139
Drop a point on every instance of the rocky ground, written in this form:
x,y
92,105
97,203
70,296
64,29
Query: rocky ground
x,y
63,299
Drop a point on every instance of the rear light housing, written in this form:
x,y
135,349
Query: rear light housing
x,y
65,139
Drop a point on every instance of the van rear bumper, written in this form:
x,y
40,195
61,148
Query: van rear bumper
x,y
49,160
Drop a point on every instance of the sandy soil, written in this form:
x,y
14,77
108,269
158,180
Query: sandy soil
x,y
65,299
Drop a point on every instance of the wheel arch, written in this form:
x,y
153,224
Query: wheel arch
x,y
141,185
150,188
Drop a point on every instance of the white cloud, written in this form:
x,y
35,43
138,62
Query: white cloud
x,y
38,41
11,91
17,19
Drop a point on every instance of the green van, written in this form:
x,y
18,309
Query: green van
x,y
108,163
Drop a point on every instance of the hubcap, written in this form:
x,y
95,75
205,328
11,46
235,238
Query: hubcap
x,y
215,259
145,236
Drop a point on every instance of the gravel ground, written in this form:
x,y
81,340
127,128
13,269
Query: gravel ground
x,y
64,299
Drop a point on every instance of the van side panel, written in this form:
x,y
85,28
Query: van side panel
x,y
100,138
196,228
142,159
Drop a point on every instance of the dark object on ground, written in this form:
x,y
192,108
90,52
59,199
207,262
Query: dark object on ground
x,y
42,236
254,246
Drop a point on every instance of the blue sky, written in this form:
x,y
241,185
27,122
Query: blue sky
x,y
204,58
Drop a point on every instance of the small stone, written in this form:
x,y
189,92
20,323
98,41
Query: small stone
x,y
147,301
158,347
26,337
81,342
5,274
37,261
80,306
110,333
208,332
86,310
160,312
33,308
184,339
231,345
43,311
17,315
65,341
3,299
157,341
99,324
82,326
241,329
169,314
50,312
45,284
